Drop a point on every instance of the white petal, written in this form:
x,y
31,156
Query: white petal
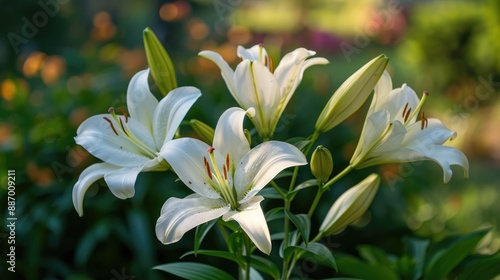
x,y
229,137
181,215
427,142
226,71
255,53
257,87
121,182
185,156
262,164
374,127
141,103
86,179
252,221
381,92
97,137
291,69
171,111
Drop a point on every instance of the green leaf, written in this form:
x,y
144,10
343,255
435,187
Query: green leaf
x,y
270,193
235,242
266,266
447,254
291,240
354,267
416,249
303,185
162,69
316,250
275,213
194,271
375,256
213,253
302,223
481,267
201,232
299,142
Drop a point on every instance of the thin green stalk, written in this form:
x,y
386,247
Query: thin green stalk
x,y
278,189
319,193
348,169
288,201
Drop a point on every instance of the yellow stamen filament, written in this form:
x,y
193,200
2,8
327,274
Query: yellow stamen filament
x,y
222,180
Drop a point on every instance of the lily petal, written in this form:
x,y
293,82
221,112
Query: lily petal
x,y
226,71
229,138
375,125
255,53
141,103
97,137
380,96
252,221
446,156
121,182
291,69
181,215
257,87
86,179
262,164
171,111
185,156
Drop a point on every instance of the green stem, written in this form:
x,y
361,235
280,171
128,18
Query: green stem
x,y
348,169
278,189
316,200
247,253
288,201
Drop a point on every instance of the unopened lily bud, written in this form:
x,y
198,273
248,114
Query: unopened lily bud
x,y
162,69
204,131
349,97
321,164
350,206
248,136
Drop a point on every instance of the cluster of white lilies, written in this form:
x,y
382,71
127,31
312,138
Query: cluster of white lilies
x,y
227,174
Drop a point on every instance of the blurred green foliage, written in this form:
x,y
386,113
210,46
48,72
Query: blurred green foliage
x,y
79,63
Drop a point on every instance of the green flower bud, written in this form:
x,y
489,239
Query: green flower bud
x,y
161,67
204,131
350,206
321,164
351,94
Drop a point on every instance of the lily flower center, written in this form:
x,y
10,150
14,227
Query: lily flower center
x,y
408,114
222,181
123,130
266,59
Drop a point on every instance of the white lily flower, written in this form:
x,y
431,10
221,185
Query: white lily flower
x,y
392,134
130,145
255,84
225,178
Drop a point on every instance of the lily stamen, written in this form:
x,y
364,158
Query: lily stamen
x,y
123,128
111,124
424,121
124,112
404,110
419,106
407,116
207,167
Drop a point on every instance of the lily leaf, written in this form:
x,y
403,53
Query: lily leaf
x,y
314,249
447,254
162,69
354,267
266,266
303,224
481,267
201,232
301,186
194,271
